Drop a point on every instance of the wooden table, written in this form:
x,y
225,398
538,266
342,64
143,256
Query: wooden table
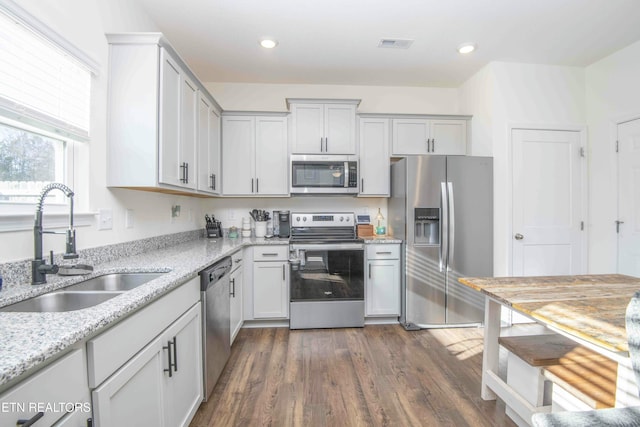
x,y
589,309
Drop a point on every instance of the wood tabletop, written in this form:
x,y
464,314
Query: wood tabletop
x,y
591,307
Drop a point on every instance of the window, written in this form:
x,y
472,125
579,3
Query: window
x,y
45,88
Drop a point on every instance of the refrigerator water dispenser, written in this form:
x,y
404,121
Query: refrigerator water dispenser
x,y
427,226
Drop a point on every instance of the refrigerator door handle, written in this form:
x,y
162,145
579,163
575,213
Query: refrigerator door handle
x,y
444,221
451,239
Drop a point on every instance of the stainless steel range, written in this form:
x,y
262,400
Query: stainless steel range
x,y
327,271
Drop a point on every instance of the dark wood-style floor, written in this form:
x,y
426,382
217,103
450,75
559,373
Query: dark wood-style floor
x,y
374,376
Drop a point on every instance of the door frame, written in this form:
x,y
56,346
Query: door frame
x,y
584,184
614,124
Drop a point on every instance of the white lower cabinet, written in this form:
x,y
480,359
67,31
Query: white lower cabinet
x,y
270,282
160,382
56,395
382,293
236,283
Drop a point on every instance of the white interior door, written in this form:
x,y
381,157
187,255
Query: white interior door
x,y
547,236
629,198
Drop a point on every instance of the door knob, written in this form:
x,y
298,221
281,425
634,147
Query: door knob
x,y
519,236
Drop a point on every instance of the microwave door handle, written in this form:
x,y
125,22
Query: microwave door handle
x,y
346,174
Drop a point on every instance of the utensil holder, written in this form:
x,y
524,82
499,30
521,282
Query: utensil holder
x,y
261,228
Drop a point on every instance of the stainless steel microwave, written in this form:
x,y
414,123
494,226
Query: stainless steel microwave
x,y
324,174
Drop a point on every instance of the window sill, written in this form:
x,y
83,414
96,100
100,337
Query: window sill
x,y
22,221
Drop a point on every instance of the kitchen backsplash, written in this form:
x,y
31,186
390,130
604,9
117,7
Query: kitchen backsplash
x,y
18,272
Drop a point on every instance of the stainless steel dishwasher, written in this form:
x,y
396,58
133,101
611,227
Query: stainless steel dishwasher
x,y
216,347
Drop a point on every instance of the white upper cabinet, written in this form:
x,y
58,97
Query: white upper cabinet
x,y
156,140
428,136
374,157
208,147
323,126
255,161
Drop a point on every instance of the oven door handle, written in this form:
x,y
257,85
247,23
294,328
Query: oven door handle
x,y
328,246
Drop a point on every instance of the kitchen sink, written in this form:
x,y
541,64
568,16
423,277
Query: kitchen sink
x,y
61,301
116,282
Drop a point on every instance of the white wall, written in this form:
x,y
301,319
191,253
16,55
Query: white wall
x,y
84,23
613,94
505,94
375,99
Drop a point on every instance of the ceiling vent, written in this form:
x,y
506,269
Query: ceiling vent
x,y
395,43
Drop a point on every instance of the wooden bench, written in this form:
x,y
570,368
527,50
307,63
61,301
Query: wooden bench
x,y
536,361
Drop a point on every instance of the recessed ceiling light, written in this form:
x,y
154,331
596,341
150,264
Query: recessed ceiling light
x,y
268,43
466,48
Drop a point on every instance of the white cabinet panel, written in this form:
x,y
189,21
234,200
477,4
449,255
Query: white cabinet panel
x,y
323,128
272,162
308,128
188,133
236,315
449,136
374,157
382,295
170,86
429,136
238,136
340,129
209,179
270,290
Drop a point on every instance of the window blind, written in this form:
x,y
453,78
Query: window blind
x,y
42,83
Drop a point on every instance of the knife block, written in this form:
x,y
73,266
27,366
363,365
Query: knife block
x,y
365,231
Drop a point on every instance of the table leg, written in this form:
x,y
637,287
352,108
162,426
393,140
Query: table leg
x,y
491,353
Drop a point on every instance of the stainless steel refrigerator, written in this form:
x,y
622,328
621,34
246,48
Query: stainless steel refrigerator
x,y
442,207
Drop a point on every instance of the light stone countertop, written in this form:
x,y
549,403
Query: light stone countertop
x,y
29,339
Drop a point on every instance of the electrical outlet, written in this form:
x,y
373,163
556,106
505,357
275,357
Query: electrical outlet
x,y
105,219
128,218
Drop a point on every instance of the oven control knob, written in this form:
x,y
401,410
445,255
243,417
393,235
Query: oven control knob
x,y
304,219
297,218
347,219
341,218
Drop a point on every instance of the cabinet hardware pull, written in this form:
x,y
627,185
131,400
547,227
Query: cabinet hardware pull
x,y
214,181
168,348
384,253
326,144
369,271
618,226
237,260
362,184
233,287
257,185
183,168
89,422
283,273
428,149
269,254
252,185
433,145
321,138
31,421
186,173
175,355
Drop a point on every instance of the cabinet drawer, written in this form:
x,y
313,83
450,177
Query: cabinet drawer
x,y
383,251
236,259
271,253
61,383
111,349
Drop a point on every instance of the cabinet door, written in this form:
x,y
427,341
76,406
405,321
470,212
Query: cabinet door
x,y
238,143
308,128
383,288
270,290
208,147
449,136
410,136
272,163
188,132
236,284
170,85
133,395
340,129
374,157
183,389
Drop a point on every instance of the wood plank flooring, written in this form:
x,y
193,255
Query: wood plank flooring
x,y
371,376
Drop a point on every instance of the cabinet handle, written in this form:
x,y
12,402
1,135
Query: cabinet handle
x,y
283,273
369,271
233,287
321,138
428,149
433,145
252,185
214,181
362,185
168,348
384,253
31,421
269,254
326,144
89,422
257,185
183,168
212,178
186,173
175,354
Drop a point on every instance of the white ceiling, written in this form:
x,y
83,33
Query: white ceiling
x,y
335,41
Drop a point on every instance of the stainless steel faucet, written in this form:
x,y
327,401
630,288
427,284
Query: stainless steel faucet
x,y
39,266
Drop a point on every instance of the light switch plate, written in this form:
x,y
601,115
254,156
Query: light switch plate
x,y
128,218
105,219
